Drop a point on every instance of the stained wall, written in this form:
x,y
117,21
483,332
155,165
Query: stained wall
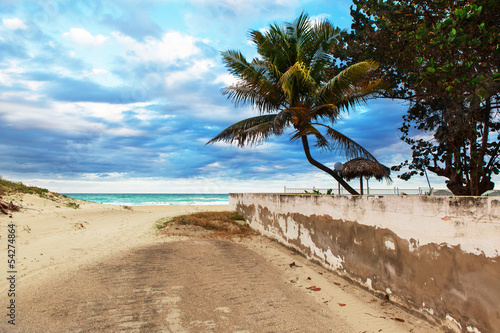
x,y
438,256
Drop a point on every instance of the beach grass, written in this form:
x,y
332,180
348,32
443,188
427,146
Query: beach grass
x,y
73,205
9,187
225,222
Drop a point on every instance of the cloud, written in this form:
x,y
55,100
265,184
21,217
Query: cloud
x,y
260,169
125,132
226,79
245,8
171,47
84,90
321,17
211,19
102,77
210,167
123,12
83,37
9,50
58,117
195,71
14,24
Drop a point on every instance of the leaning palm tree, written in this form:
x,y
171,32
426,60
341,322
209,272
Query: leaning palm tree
x,y
287,83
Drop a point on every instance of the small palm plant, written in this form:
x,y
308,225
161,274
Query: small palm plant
x,y
289,87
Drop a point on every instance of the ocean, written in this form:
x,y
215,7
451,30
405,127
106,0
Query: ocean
x,y
124,199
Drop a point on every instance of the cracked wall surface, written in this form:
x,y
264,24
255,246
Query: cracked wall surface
x,y
435,255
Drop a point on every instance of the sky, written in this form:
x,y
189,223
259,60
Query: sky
x,y
122,96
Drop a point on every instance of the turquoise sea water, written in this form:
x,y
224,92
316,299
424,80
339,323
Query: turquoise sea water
x,y
124,199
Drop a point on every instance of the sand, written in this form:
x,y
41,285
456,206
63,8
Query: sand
x,y
53,241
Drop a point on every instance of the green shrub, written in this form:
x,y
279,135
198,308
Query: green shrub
x,y
73,205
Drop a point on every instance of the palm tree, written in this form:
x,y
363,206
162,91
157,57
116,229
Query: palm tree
x,y
287,83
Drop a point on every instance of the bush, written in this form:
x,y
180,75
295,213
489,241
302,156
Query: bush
x,y
73,205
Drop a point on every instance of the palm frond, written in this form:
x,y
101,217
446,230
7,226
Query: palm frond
x,y
309,129
274,71
340,142
360,94
325,112
297,75
274,46
250,131
256,37
299,33
237,64
256,84
326,38
265,100
344,82
283,119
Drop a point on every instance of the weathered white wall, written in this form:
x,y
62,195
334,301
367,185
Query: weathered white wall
x,y
437,255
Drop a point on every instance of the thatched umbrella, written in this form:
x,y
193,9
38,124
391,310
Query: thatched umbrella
x,y
361,167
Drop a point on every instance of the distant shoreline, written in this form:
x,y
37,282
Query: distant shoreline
x,y
152,199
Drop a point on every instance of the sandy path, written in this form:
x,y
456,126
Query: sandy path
x,y
105,268
184,286
53,238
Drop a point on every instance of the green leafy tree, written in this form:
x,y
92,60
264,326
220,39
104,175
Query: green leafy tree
x,y
443,57
291,85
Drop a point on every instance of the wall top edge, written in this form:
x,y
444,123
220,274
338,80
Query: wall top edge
x,y
437,197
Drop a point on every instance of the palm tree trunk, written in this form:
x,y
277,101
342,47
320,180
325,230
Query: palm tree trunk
x,y
329,171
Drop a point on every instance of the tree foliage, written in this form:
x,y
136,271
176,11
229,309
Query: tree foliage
x,y
292,84
443,57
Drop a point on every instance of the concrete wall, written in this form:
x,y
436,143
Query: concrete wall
x,y
436,255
